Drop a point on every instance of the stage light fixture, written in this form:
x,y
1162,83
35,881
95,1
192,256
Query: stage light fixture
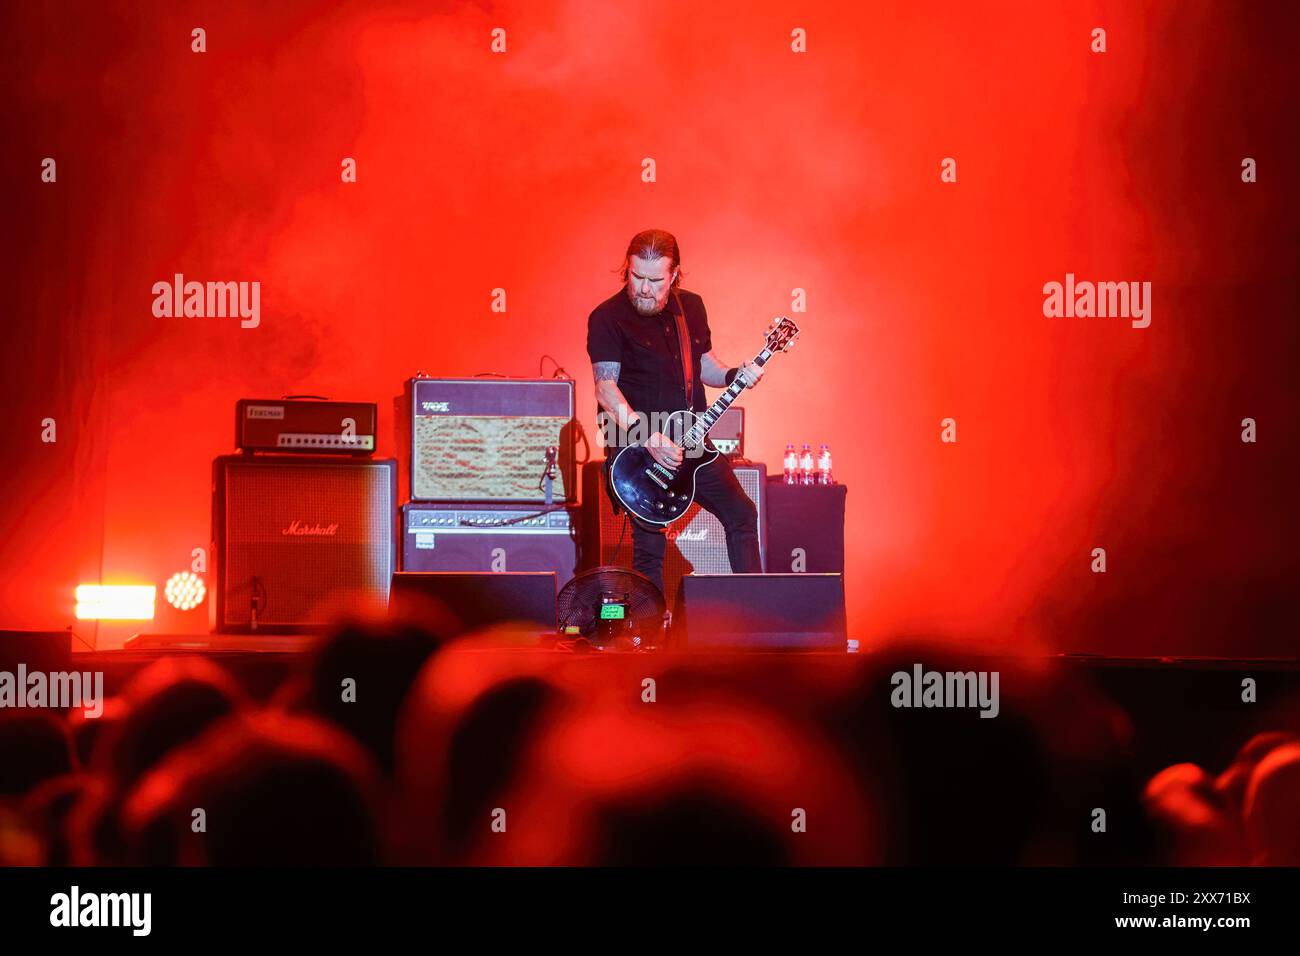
x,y
185,590
115,602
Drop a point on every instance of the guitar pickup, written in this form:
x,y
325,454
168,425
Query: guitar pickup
x,y
656,479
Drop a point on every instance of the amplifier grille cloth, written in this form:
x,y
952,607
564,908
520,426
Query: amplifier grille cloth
x,y
484,458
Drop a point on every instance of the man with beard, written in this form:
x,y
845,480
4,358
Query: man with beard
x,y
636,340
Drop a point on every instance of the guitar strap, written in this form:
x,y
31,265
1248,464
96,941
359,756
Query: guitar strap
x,y
684,347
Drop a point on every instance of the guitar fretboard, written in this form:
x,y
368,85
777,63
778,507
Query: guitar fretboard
x,y
710,416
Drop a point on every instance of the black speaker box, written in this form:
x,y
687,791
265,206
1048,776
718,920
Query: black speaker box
x,y
760,612
478,599
47,651
805,527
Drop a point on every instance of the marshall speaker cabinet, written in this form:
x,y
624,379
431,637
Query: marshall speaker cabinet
x,y
300,541
491,439
696,543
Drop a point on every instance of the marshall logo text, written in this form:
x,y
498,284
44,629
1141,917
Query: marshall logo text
x,y
302,528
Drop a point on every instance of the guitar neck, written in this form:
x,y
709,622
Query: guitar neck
x,y
710,417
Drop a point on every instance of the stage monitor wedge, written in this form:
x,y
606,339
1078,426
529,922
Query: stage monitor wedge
x,y
760,612
515,600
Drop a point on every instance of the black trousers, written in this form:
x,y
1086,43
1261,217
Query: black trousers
x,y
718,491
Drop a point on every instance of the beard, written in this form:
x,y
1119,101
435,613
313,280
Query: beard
x,y
647,305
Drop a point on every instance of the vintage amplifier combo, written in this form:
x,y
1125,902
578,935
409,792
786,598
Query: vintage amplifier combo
x,y
305,424
491,440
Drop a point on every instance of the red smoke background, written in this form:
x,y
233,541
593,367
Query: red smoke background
x,y
777,171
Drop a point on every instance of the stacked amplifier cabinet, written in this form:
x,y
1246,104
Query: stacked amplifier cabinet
x,y
491,440
696,543
300,540
486,537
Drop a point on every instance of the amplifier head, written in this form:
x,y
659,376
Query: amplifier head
x,y
493,538
315,426
728,432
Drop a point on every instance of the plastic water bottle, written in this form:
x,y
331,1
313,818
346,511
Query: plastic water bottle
x,y
824,475
806,466
791,465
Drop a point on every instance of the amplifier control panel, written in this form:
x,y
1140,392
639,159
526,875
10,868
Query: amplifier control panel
x,y
479,520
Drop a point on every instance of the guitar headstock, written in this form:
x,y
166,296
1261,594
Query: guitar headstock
x,y
781,334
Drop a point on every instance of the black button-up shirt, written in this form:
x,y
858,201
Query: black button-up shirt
x,y
646,348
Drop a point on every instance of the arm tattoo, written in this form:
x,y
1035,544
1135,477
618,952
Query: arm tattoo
x,y
606,371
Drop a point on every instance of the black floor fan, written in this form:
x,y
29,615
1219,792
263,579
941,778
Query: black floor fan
x,y
613,607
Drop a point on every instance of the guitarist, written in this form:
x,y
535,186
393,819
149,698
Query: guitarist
x,y
651,355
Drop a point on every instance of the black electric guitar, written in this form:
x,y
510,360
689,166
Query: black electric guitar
x,y
658,495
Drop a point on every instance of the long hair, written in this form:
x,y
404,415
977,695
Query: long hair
x,y
654,244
